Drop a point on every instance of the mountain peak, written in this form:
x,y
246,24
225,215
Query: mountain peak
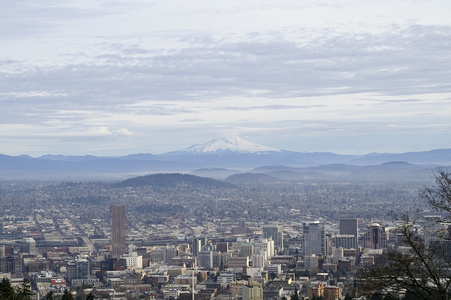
x,y
228,145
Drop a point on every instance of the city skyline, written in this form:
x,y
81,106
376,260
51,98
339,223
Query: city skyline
x,y
117,78
306,235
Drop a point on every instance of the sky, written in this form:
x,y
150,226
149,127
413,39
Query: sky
x,y
122,77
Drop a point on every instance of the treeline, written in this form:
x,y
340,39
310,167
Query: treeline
x,y
158,208
96,200
173,180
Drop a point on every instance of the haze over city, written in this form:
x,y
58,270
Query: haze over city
x,y
114,78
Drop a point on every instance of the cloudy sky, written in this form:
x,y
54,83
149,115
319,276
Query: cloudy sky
x,y
122,77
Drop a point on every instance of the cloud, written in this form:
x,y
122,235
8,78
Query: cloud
x,y
407,61
30,94
97,131
124,132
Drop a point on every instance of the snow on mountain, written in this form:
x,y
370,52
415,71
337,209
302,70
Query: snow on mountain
x,y
230,145
53,157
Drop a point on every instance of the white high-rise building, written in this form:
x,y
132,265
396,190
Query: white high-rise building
x,y
314,238
274,232
28,244
133,260
258,261
264,247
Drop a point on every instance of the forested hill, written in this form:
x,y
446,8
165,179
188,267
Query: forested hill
x,y
174,180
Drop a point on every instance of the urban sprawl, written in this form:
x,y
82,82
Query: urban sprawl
x,y
251,242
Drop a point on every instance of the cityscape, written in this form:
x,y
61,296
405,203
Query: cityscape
x,y
188,236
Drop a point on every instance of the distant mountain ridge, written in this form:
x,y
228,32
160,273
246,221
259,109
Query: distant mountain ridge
x,y
223,157
391,171
60,157
436,156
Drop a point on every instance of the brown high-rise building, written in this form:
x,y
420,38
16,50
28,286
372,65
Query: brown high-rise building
x,y
222,247
118,225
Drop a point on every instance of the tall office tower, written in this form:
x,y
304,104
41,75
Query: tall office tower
x,y
246,249
80,268
198,243
205,258
222,247
169,253
276,233
349,226
434,230
258,261
264,247
118,230
11,264
314,238
28,245
376,237
83,267
219,260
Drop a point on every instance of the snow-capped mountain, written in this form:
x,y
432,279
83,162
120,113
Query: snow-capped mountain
x,y
228,145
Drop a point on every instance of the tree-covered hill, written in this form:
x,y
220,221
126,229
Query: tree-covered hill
x,y
251,178
174,180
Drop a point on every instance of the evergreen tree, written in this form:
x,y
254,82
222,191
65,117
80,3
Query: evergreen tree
x,y
348,297
50,296
295,296
67,295
389,297
7,291
24,292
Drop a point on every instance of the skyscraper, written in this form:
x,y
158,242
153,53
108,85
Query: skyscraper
x,y
169,253
349,226
118,230
433,229
246,249
276,233
314,238
205,258
198,243
222,247
376,237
